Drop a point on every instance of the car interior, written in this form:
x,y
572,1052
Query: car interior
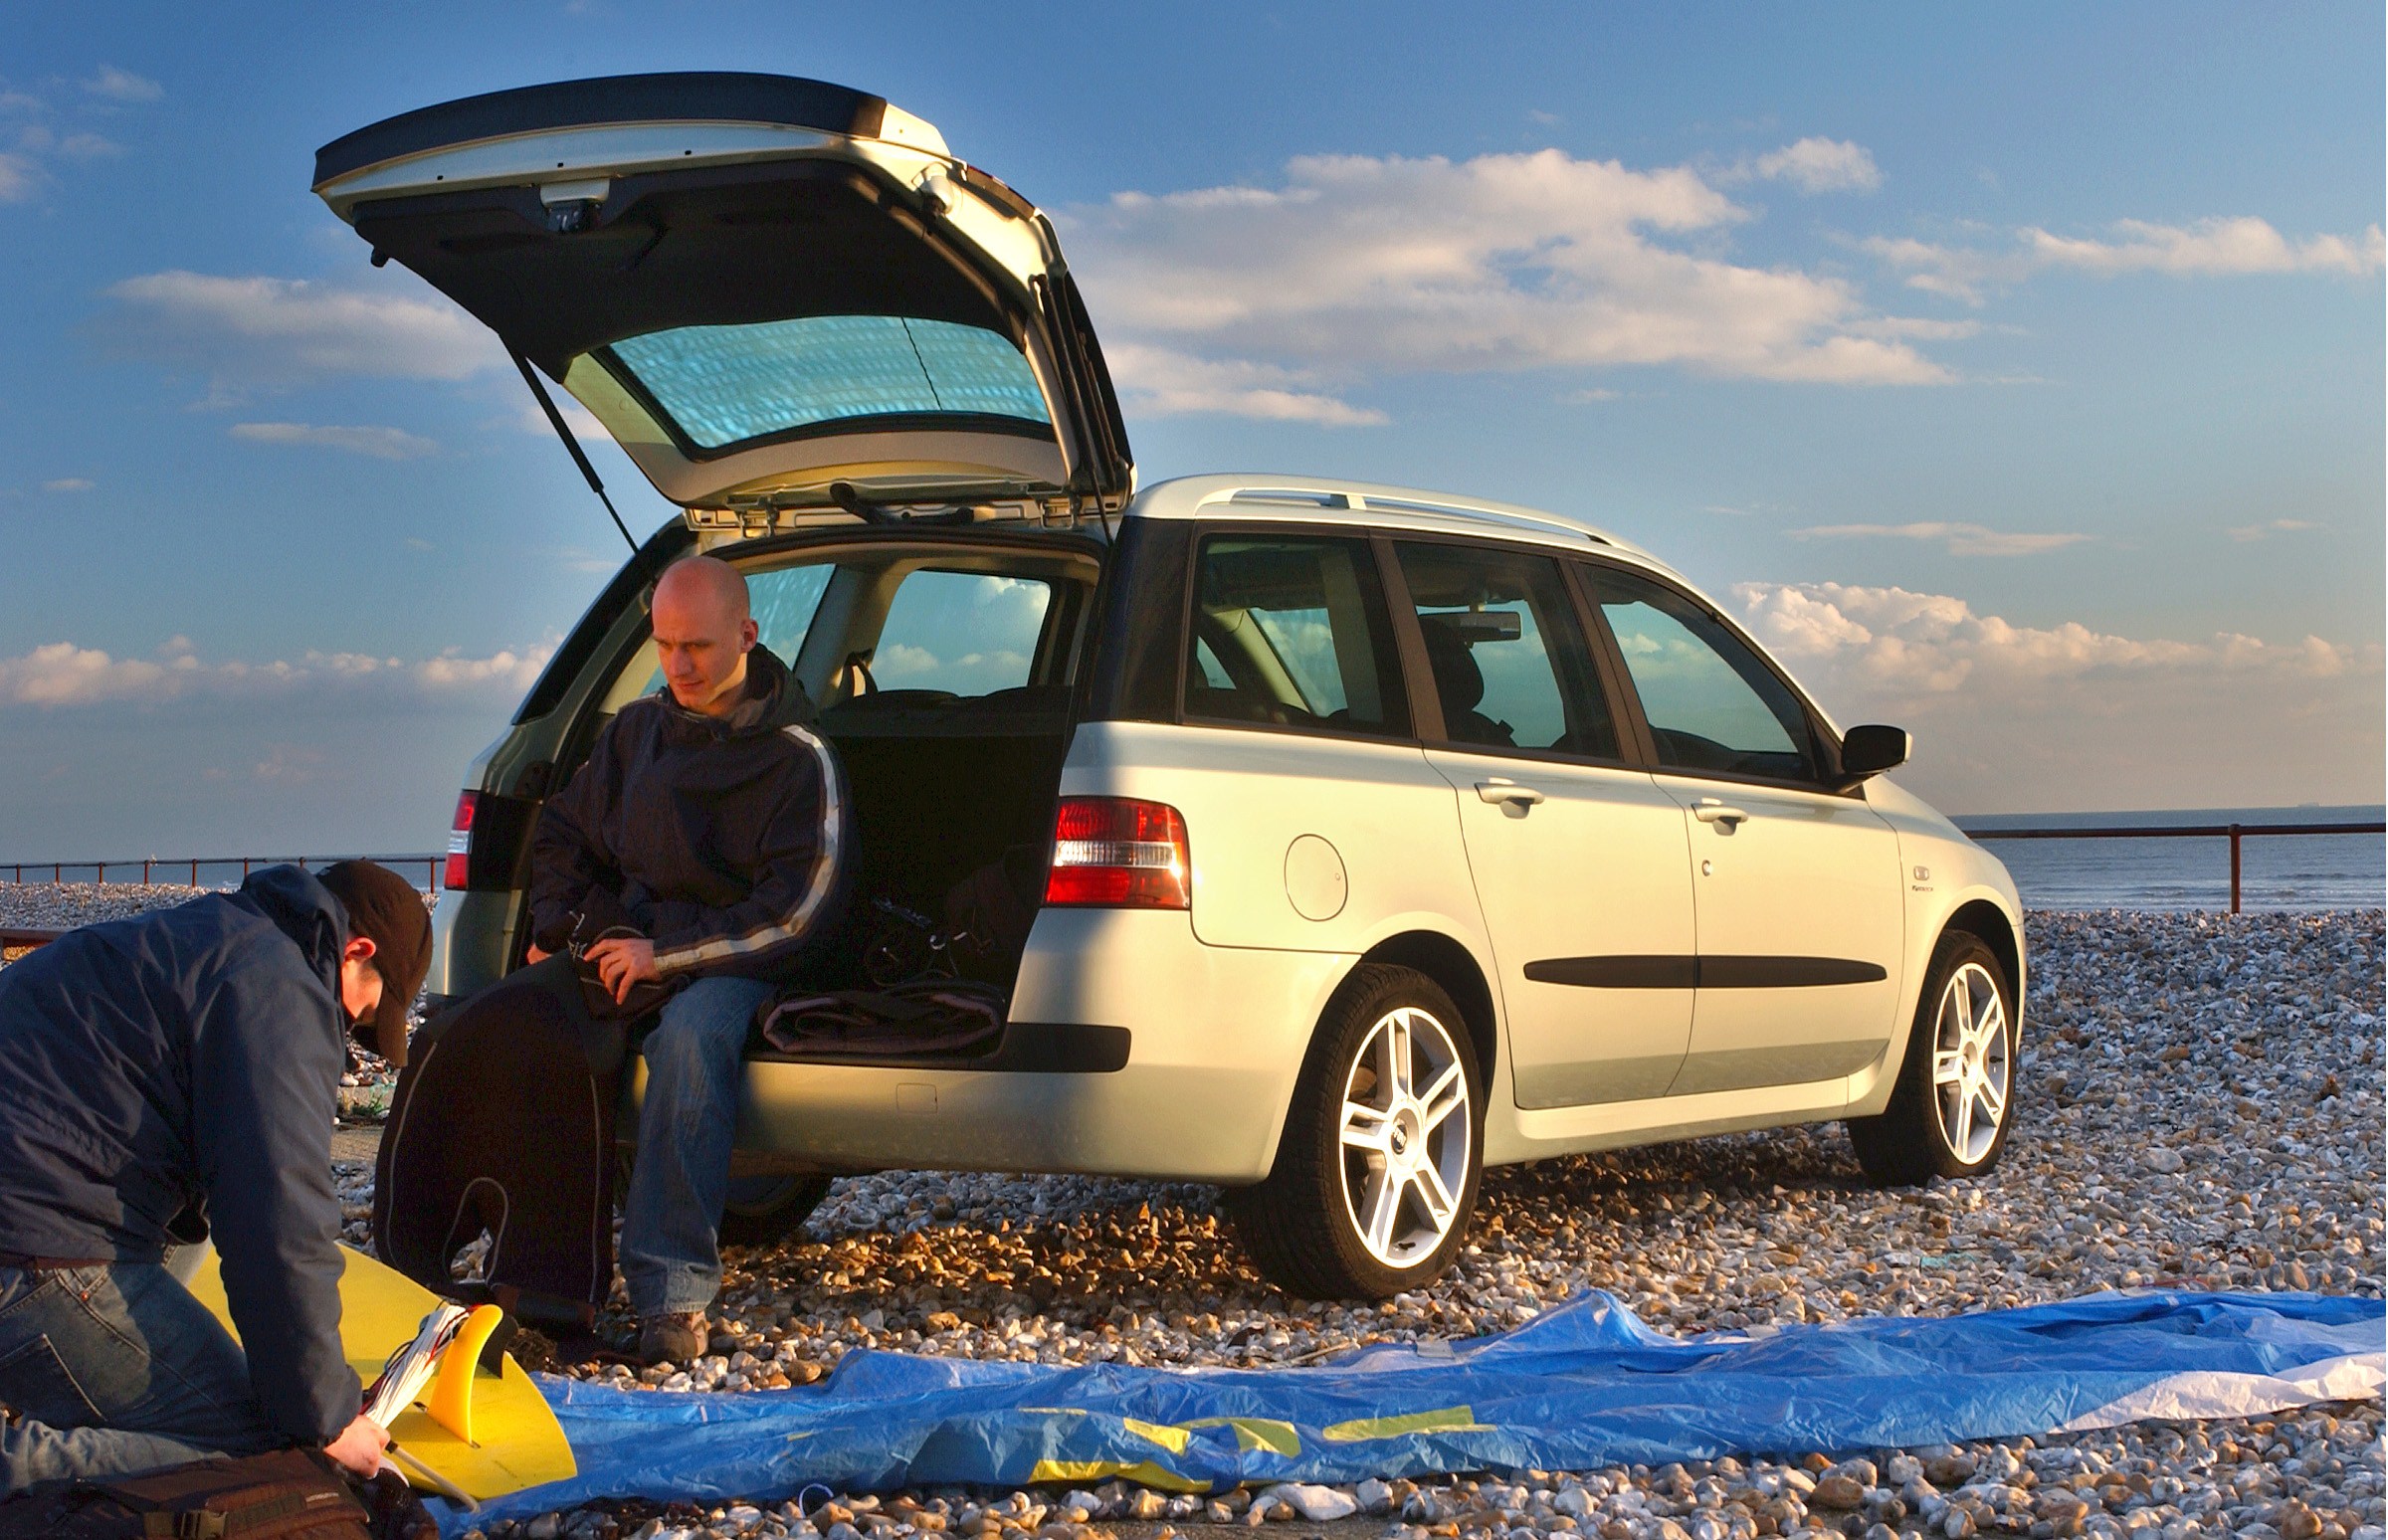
x,y
943,677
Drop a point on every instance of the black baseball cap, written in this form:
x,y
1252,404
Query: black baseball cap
x,y
385,910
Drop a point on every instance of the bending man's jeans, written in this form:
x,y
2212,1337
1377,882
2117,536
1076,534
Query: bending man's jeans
x,y
671,1252
116,1369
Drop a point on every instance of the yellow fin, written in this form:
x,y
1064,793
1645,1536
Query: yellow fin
x,y
451,1402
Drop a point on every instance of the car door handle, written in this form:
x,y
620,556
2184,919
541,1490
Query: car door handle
x,y
1710,810
1499,792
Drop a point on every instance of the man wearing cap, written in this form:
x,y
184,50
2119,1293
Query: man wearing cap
x,y
161,1079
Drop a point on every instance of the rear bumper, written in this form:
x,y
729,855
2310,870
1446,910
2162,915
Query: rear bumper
x,y
1177,1061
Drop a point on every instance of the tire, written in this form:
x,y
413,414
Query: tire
x,y
766,1210
1954,1103
1307,1226
760,1209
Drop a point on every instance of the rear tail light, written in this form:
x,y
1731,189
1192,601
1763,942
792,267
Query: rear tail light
x,y
1115,853
487,842
460,842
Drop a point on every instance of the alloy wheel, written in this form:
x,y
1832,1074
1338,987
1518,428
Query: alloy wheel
x,y
1406,1137
1971,1073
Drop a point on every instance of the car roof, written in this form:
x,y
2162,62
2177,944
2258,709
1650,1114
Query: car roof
x,y
1331,501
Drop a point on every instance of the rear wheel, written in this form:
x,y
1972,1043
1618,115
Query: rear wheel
x,y
766,1210
1376,1174
1950,1111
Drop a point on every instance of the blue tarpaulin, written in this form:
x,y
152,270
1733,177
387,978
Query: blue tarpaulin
x,y
1584,1386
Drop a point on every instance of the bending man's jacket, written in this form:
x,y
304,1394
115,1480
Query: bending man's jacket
x,y
179,1071
726,839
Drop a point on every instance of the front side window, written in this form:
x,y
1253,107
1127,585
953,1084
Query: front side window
x,y
1510,662
1292,631
963,633
1712,703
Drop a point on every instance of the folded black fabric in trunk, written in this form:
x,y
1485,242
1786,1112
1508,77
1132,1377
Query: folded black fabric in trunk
x,y
922,1017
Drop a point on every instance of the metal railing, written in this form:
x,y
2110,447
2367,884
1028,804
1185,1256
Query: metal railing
x,y
150,866
2235,833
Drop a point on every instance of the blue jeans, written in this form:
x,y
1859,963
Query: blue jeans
x,y
671,1252
116,1369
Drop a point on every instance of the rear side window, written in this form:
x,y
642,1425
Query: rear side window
x,y
783,602
1292,631
1510,665
1712,703
966,633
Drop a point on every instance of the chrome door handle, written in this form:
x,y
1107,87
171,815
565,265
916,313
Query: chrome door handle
x,y
1710,810
1497,792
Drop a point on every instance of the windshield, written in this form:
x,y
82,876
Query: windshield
x,y
727,385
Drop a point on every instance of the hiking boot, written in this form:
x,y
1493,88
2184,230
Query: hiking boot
x,y
672,1340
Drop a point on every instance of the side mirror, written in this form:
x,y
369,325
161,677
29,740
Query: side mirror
x,y
1872,749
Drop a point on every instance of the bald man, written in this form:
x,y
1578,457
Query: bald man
x,y
707,837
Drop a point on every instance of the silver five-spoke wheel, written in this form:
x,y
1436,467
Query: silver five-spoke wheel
x,y
1375,1173
1970,1069
1951,1108
1407,1137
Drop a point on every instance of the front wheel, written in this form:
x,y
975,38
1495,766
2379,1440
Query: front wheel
x,y
1376,1174
1950,1114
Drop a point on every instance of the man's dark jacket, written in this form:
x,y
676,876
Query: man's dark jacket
x,y
727,841
188,1062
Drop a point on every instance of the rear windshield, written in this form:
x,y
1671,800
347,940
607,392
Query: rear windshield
x,y
728,385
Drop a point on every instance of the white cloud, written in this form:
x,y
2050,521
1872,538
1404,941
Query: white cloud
x,y
1961,539
1164,382
26,168
123,85
2245,534
89,147
1934,644
380,443
20,178
2089,717
1357,264
278,331
1818,165
63,673
583,423
69,484
2207,248
2211,245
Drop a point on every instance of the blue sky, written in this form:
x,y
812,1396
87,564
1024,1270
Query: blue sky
x,y
2016,371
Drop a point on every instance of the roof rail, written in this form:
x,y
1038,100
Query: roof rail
x,y
1191,496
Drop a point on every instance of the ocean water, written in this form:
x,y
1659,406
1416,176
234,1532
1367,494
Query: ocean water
x,y
2277,872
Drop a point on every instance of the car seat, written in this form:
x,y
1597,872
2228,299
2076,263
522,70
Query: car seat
x,y
1460,684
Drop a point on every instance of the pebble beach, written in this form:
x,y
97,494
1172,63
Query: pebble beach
x,y
2199,1105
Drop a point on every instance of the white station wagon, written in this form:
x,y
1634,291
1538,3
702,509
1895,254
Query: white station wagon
x,y
1375,836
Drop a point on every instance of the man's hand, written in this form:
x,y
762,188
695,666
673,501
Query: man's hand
x,y
359,1446
623,961
537,953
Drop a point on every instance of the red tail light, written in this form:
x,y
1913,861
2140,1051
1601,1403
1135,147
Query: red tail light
x,y
459,875
1118,854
